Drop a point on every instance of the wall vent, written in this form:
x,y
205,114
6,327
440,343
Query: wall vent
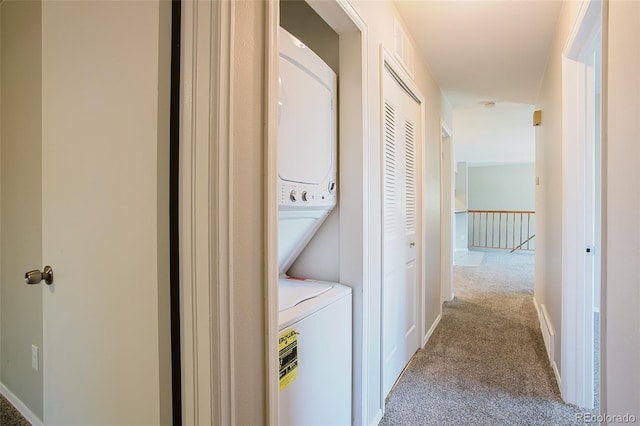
x,y
403,49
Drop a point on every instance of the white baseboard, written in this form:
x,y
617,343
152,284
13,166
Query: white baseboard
x,y
20,406
376,418
431,330
548,333
447,298
557,374
549,336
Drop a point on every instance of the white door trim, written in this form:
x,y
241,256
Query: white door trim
x,y
577,313
446,211
271,210
205,219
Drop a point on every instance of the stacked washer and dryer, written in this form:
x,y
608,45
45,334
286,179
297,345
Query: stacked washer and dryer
x,y
314,316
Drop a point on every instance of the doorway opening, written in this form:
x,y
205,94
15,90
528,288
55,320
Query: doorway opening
x,y
350,222
582,212
447,197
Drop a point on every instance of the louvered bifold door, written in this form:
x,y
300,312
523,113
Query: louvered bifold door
x,y
400,227
410,208
393,238
391,180
410,290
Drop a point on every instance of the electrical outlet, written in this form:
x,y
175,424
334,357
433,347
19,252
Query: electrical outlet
x,y
35,358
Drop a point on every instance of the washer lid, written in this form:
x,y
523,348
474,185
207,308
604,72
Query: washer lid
x,y
292,291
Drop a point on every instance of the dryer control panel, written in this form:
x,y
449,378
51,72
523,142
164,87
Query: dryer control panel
x,y
294,194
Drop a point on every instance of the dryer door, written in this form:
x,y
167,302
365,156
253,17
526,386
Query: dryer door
x,y
306,132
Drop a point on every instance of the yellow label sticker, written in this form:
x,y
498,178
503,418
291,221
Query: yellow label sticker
x,y
288,347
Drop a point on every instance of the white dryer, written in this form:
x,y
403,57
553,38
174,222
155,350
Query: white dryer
x,y
307,146
314,316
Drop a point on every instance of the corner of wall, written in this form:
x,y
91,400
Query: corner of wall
x,y
20,406
446,112
433,327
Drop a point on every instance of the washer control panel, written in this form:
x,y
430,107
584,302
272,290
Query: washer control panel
x,y
294,194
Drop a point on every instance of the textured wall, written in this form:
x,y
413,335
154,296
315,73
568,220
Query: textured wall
x,y
503,187
622,270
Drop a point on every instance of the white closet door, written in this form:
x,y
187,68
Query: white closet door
x,y
401,133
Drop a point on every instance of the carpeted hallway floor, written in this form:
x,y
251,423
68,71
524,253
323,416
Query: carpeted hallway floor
x,y
9,416
485,364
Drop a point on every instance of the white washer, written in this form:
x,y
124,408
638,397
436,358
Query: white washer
x,y
320,315
314,316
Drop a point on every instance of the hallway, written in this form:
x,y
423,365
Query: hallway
x,y
486,362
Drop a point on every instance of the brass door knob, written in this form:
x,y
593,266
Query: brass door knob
x,y
35,276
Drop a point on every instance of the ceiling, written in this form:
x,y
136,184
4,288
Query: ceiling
x,y
483,50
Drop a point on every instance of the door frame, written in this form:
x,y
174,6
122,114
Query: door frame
x,y
446,211
389,60
207,217
353,192
577,299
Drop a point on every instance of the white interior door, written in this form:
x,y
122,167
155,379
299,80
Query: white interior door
x,y
592,202
21,212
581,208
402,133
105,213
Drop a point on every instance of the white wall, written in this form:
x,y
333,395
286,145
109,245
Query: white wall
x,y
502,187
621,251
503,134
622,203
21,224
320,260
548,256
379,17
461,206
297,17
462,186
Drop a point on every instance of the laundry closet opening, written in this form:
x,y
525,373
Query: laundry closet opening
x,y
337,251
320,259
314,309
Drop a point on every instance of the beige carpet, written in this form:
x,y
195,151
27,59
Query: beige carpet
x,y
9,416
485,364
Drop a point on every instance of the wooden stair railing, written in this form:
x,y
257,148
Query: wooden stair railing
x,y
502,229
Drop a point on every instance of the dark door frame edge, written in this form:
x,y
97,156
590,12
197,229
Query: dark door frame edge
x,y
174,235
